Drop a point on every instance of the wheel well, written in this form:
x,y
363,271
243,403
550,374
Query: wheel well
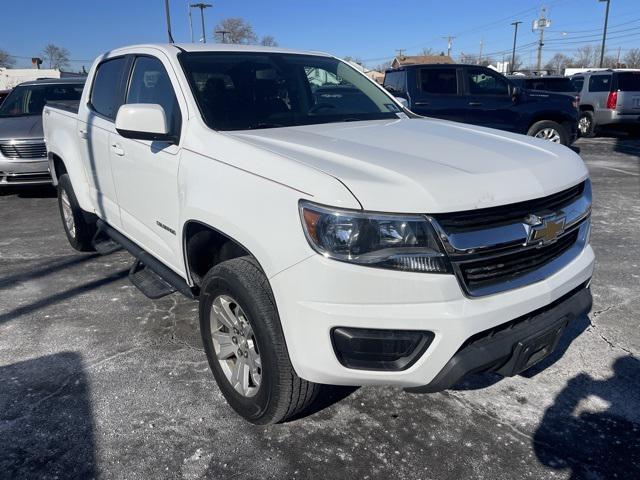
x,y
586,108
205,247
59,168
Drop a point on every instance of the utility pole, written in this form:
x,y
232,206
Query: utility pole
x,y
540,25
618,59
480,56
190,22
223,33
400,52
202,6
166,10
449,40
604,33
513,53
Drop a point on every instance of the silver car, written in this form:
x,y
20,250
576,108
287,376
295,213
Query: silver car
x,y
608,97
23,153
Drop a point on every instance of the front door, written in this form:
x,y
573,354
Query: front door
x,y
489,101
146,172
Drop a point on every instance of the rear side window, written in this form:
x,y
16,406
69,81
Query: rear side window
x,y
629,81
396,82
150,83
578,83
443,81
600,83
105,92
552,84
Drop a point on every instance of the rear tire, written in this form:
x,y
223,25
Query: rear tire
x,y
550,131
586,125
79,226
249,359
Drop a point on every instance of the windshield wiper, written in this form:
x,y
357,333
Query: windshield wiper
x,y
266,125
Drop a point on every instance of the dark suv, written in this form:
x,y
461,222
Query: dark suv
x,y
481,96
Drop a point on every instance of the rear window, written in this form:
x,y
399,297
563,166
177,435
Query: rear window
x,y
578,82
552,84
629,81
439,81
600,83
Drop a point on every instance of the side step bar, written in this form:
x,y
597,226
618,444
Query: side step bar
x,y
148,260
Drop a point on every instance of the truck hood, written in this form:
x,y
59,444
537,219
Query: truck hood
x,y
25,127
424,165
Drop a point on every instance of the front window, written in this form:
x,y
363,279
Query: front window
x,y
31,99
482,82
241,91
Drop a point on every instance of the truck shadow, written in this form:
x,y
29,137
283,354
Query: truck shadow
x,y
46,420
587,430
26,191
484,380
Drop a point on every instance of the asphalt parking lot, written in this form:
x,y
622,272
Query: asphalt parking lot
x,y
96,380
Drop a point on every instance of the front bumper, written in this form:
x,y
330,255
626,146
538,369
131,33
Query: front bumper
x,y
319,294
24,171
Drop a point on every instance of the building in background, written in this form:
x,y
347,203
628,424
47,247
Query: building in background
x,y
401,61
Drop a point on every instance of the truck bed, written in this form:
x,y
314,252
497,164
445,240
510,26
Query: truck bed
x,y
71,106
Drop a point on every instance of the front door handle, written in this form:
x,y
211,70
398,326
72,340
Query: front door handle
x,y
117,149
475,104
422,104
82,134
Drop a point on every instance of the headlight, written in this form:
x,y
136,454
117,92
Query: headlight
x,y
399,242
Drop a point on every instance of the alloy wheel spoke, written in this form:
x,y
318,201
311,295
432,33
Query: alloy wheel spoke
x,y
226,347
225,315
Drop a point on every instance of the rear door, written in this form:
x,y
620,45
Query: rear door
x,y
490,103
628,87
439,93
146,172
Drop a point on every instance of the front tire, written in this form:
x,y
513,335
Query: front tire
x,y
550,131
245,346
79,226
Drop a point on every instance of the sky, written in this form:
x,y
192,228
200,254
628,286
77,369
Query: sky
x,y
371,30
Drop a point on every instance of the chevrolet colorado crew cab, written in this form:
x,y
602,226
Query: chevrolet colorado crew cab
x,y
331,236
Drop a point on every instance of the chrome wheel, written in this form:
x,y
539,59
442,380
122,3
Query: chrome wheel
x,y
67,214
235,346
550,134
584,125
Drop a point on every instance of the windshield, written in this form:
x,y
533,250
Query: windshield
x,y
241,91
31,99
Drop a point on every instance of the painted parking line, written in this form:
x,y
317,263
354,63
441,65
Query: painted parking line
x,y
614,169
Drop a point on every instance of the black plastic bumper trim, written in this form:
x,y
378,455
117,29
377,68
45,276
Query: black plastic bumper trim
x,y
513,347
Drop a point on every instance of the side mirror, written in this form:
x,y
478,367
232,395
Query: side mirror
x,y
402,101
515,94
143,121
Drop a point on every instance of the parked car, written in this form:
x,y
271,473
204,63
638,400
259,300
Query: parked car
x,y
23,153
484,97
608,98
3,95
555,84
348,243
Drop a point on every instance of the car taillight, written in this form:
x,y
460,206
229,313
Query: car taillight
x,y
612,100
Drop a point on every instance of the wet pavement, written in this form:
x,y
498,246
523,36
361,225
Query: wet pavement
x,y
96,380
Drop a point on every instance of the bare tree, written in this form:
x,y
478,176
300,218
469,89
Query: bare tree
x,y
517,63
558,63
427,52
632,58
268,41
6,60
383,66
57,57
351,59
235,30
586,56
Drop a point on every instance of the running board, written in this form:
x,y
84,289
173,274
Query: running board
x,y
149,262
148,282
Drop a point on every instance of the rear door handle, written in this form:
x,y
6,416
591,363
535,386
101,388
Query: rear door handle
x,y
82,133
117,149
475,104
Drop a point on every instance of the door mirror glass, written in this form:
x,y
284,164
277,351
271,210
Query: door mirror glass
x,y
143,121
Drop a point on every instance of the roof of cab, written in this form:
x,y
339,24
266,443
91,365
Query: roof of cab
x,y
54,81
171,48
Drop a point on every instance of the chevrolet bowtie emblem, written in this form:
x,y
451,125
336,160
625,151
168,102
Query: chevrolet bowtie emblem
x,y
544,230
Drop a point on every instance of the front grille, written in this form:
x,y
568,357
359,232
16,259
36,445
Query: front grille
x,y
485,272
24,150
503,215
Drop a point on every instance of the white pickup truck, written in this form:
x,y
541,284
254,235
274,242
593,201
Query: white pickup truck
x,y
330,235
